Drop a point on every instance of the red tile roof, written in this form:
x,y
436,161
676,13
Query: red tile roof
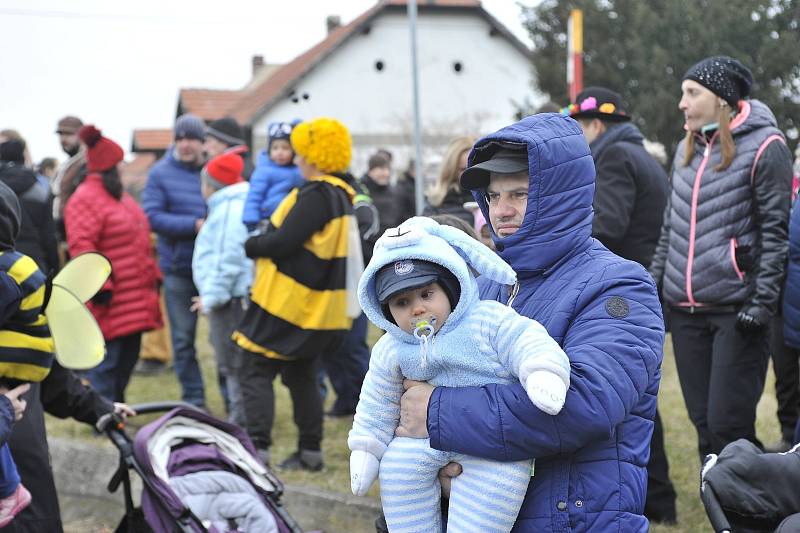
x,y
139,165
208,104
274,86
134,172
151,140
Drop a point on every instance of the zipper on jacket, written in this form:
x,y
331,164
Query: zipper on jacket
x,y
693,218
514,292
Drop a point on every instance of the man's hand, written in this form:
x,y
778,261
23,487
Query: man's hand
x,y
18,404
446,475
414,410
197,305
123,410
199,224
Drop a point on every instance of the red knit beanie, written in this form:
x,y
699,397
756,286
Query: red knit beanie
x,y
226,168
102,153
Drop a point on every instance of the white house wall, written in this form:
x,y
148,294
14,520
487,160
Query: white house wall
x,y
377,105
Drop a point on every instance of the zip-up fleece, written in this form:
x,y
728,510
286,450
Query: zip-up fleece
x,y
724,238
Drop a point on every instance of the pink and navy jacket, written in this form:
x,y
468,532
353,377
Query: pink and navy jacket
x,y
724,240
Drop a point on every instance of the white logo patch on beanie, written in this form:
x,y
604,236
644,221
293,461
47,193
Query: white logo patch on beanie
x,y
403,267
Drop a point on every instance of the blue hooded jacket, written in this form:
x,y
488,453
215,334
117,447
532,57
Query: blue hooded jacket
x,y
269,185
604,312
173,202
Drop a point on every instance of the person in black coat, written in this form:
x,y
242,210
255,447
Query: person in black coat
x,y
406,192
630,196
631,187
37,235
60,394
384,196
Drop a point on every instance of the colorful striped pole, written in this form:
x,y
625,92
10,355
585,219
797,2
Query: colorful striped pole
x,y
575,53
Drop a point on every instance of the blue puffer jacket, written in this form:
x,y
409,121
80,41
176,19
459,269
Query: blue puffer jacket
x,y
791,291
269,184
220,268
173,203
603,310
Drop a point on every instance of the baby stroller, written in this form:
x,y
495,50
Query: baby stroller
x,y
745,490
200,474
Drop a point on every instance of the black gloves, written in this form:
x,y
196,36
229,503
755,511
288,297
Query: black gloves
x,y
747,323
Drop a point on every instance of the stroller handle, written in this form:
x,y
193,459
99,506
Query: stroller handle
x,y
714,510
141,409
160,407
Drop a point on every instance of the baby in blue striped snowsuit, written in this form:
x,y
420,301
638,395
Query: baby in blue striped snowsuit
x,y
420,288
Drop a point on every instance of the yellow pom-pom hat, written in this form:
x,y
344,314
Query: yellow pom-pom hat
x,y
323,142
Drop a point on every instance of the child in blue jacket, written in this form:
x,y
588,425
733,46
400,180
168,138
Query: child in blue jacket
x,y
420,288
221,270
275,175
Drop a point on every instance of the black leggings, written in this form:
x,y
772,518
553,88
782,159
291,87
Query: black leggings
x,y
256,376
721,372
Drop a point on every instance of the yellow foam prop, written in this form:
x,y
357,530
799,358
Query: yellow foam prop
x,y
84,275
77,337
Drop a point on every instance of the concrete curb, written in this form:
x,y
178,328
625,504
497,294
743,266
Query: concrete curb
x,y
82,471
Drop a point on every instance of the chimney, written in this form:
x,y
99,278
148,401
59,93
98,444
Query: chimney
x,y
258,62
332,22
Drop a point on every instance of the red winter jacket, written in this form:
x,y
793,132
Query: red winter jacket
x,y
118,229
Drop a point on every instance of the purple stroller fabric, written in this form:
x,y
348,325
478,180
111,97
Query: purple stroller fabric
x,y
160,505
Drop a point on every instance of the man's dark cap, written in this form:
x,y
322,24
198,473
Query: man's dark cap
x,y
69,124
503,161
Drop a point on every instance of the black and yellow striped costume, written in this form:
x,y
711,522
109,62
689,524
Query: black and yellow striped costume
x,y
26,347
298,298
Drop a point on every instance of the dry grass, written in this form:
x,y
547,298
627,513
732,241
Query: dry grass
x,y
680,435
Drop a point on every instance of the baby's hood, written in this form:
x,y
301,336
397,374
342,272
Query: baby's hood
x,y
425,239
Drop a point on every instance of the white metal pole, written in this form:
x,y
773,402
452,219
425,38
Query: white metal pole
x,y
419,179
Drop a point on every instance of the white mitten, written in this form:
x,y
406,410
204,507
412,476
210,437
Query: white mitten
x,y
547,391
363,471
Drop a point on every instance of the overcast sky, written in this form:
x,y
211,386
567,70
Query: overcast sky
x,y
121,63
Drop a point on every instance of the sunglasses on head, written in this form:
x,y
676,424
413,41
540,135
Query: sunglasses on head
x,y
279,127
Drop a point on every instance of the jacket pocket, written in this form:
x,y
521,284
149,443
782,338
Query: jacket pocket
x,y
733,246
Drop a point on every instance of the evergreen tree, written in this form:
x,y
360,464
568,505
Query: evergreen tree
x,y
642,50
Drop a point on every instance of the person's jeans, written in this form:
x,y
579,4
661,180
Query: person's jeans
x,y
111,376
178,292
222,322
347,367
9,478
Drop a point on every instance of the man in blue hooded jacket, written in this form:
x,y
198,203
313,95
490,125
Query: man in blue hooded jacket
x,y
534,182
